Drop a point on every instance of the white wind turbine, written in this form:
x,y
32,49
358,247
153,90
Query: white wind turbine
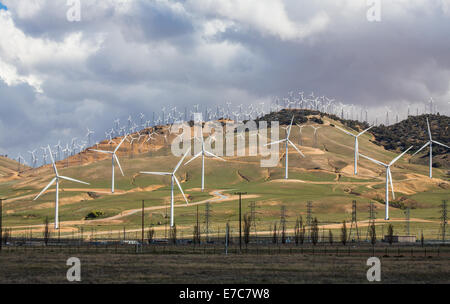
x,y
56,179
113,157
287,142
356,145
388,178
203,153
430,143
173,179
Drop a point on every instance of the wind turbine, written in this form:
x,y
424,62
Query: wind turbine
x,y
430,143
315,135
287,142
388,178
356,145
56,179
202,153
113,157
88,135
173,179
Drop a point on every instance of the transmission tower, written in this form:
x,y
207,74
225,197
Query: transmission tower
x,y
253,217
354,222
444,220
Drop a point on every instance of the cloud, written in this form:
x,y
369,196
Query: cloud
x,y
132,56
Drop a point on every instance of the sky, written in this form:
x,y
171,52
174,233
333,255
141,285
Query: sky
x,y
125,57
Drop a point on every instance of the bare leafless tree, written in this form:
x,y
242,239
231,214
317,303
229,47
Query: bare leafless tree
x,y
372,234
247,227
150,235
275,235
344,233
46,231
196,234
315,231
173,234
297,232
390,234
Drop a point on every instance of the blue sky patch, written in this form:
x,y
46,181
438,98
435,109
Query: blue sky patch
x,y
3,7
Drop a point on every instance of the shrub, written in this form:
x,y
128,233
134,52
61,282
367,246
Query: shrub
x,y
94,214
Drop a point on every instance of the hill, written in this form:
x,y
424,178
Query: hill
x,y
324,177
9,167
414,132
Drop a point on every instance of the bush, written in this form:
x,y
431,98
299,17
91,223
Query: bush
x,y
94,214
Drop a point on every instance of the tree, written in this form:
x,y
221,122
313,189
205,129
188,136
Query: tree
x,y
247,227
344,233
227,233
390,234
150,235
330,237
173,234
46,231
302,231
275,235
283,232
372,234
196,234
315,231
297,232
421,239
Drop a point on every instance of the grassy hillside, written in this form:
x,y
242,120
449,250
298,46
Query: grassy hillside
x,y
324,177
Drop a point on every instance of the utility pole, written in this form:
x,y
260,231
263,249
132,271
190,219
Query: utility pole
x,y
142,222
240,217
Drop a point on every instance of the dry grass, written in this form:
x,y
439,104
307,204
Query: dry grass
x,y
49,266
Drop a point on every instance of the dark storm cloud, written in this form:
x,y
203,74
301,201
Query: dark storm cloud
x,y
140,56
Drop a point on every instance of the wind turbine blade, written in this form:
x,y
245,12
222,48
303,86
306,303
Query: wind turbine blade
x,y
295,147
156,173
192,159
436,142
181,160
123,139
179,187
423,147
45,189
344,131
290,127
53,161
213,155
365,131
398,157
101,151
275,142
73,180
429,131
392,184
118,163
375,161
